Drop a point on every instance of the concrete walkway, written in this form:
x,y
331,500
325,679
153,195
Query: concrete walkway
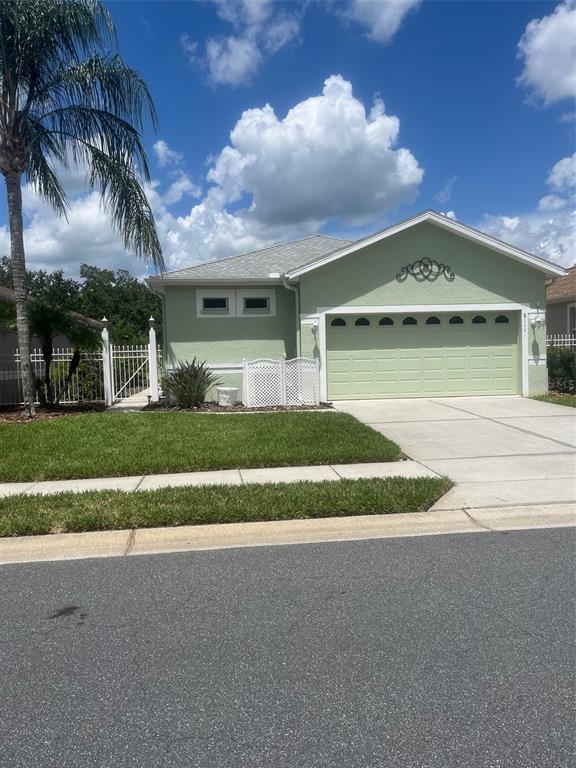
x,y
498,450
222,477
131,404
146,541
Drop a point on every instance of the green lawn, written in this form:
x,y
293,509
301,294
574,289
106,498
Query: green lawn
x,y
113,510
108,444
569,400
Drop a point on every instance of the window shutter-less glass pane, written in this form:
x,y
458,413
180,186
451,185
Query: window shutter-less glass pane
x,y
210,303
256,304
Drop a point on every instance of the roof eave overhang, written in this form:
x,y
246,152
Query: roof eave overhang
x,y
561,299
463,230
160,282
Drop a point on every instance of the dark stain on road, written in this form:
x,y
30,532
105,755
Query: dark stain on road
x,y
69,610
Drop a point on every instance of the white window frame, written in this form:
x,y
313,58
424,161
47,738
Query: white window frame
x,y
571,307
215,293
256,293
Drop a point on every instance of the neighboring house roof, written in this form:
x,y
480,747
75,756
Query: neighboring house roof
x,y
264,264
293,259
8,295
562,288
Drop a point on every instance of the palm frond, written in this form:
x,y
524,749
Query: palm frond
x,y
107,84
73,126
130,210
64,101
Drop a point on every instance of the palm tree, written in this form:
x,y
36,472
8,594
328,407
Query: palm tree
x,y
66,102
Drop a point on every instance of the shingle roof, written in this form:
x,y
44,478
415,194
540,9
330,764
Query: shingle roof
x,y
264,263
563,288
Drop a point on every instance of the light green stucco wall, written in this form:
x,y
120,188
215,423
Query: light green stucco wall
x,y
226,339
368,277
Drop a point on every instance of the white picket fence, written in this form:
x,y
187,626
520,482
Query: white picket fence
x,y
107,375
86,384
561,340
281,382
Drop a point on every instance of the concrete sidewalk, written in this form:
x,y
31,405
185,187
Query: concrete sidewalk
x,y
222,477
146,541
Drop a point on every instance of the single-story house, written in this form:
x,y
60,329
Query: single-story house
x,y
426,307
561,304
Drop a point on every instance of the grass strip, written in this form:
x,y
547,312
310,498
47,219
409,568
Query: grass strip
x,y
113,444
113,510
569,400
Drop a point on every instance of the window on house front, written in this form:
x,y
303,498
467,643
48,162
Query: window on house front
x,y
409,321
338,321
456,320
478,320
502,319
362,321
256,304
433,320
214,304
386,321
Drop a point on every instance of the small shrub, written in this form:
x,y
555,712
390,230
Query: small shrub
x,y
561,369
188,383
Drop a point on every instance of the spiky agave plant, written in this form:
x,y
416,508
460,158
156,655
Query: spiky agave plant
x,y
188,383
67,102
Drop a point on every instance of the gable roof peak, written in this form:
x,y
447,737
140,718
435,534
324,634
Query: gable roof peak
x,y
447,222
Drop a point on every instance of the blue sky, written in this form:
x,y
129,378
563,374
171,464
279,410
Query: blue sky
x,y
465,107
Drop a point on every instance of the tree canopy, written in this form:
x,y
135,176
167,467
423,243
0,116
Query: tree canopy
x,y
118,295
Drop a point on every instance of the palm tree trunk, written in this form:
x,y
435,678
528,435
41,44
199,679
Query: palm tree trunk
x,y
18,262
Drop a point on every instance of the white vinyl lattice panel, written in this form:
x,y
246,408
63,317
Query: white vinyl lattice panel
x,y
561,340
302,382
269,383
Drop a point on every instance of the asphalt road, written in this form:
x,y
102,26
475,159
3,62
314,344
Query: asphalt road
x,y
431,652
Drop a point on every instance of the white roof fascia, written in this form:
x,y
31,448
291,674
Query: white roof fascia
x,y
442,221
158,281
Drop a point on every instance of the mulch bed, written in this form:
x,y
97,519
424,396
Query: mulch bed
x,y
238,408
17,415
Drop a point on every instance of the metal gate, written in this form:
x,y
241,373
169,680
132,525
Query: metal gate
x,y
130,371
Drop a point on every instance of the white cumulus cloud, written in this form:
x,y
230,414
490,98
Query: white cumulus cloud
x,y
382,18
548,51
260,30
549,231
326,159
232,60
165,155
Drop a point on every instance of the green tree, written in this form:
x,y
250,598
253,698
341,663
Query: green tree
x,y
65,102
125,300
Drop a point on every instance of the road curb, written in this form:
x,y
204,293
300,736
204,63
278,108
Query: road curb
x,y
146,541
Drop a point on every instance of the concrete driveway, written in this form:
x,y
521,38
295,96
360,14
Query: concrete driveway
x,y
498,450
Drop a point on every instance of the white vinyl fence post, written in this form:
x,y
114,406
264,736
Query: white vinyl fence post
x,y
283,394
107,363
153,362
245,387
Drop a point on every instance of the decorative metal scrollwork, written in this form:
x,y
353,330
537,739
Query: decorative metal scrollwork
x,y
425,269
